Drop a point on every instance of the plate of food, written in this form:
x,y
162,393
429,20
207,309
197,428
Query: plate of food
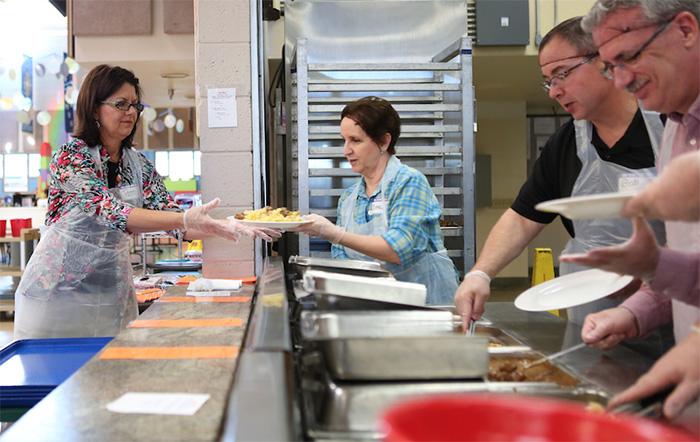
x,y
280,218
602,205
571,290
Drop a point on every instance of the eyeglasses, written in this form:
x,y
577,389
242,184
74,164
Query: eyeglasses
x,y
623,61
124,105
560,76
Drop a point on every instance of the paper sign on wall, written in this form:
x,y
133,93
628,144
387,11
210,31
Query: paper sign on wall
x,y
222,107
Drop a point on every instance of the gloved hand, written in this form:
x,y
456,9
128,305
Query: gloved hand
x,y
470,298
198,219
255,232
320,226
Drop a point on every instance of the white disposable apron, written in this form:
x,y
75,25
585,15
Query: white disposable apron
x,y
435,270
684,236
79,280
599,176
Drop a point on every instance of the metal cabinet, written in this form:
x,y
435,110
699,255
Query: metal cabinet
x,y
435,100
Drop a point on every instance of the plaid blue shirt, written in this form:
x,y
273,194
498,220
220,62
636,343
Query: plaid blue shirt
x,y
413,212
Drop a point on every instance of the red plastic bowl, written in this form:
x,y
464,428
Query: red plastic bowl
x,y
515,418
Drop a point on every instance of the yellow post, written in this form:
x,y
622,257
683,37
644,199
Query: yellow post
x,y
543,269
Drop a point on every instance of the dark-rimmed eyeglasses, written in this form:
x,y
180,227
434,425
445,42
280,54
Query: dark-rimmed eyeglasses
x,y
623,61
124,105
560,76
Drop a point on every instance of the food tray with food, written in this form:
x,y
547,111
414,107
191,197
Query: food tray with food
x,y
514,368
281,218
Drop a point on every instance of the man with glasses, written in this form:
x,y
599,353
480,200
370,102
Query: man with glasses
x,y
651,48
609,144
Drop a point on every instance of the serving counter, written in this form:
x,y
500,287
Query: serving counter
x,y
256,393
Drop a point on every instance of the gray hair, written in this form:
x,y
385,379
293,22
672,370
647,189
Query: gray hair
x,y
655,11
570,31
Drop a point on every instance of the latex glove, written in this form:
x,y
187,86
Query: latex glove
x,y
680,367
607,328
255,232
198,219
674,195
470,298
638,256
322,227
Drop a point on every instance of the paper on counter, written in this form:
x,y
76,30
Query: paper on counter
x,y
204,284
182,404
212,293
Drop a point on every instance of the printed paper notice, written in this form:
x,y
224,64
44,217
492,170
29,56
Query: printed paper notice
x,y
222,107
209,293
182,404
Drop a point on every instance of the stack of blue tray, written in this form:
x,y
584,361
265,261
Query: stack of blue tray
x,y
31,368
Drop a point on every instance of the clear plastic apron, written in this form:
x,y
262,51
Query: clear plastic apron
x,y
435,270
79,280
598,176
684,236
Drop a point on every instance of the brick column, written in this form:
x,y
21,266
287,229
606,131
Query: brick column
x,y
222,60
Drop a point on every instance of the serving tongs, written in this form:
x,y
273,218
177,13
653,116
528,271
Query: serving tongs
x,y
554,356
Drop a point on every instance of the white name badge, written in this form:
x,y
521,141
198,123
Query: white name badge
x,y
377,207
632,183
129,193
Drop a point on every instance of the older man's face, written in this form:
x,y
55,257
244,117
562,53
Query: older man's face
x,y
641,57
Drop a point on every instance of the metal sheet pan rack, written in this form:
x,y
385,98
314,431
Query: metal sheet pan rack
x,y
435,100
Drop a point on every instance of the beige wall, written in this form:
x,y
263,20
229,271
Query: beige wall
x,y
222,60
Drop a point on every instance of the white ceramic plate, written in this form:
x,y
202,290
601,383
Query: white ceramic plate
x,y
280,225
571,290
602,205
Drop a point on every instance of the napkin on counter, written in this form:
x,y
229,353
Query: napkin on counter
x,y
206,285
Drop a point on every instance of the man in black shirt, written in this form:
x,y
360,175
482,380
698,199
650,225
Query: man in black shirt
x,y
607,143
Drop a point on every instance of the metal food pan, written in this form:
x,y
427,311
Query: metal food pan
x,y
323,302
353,410
397,358
378,289
345,266
317,325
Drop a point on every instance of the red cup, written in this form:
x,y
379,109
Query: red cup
x,y
27,223
3,227
16,226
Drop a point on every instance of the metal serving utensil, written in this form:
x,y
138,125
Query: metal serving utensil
x,y
554,356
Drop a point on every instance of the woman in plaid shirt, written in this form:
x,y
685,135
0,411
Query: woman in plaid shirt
x,y
391,214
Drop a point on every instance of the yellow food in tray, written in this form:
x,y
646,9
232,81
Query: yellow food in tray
x,y
269,214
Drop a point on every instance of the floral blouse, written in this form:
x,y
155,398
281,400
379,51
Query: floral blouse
x,y
75,181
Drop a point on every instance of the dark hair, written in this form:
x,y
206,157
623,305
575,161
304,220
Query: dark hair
x,y
376,117
99,84
570,31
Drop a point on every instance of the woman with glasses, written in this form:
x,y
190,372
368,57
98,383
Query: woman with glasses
x,y
79,280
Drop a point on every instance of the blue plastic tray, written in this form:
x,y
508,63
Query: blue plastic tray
x,y
31,368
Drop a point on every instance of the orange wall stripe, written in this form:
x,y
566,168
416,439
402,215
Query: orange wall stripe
x,y
208,352
186,323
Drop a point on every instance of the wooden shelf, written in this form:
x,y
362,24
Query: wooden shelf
x,y
25,235
10,271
